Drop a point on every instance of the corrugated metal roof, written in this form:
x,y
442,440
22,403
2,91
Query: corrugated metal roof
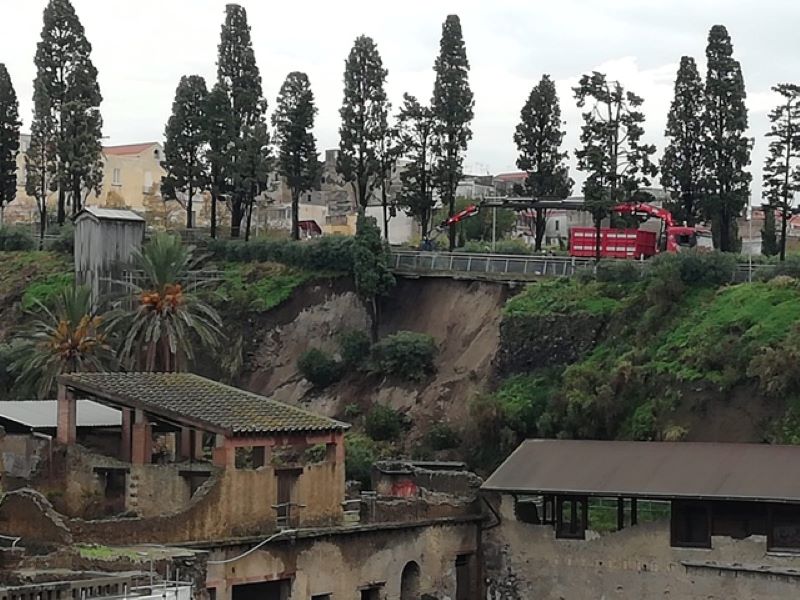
x,y
111,214
42,414
652,469
189,398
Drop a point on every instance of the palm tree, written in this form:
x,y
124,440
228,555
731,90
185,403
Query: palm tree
x,y
66,337
158,333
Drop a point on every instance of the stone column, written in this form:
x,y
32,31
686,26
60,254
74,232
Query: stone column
x,y
186,448
67,415
224,453
125,442
142,445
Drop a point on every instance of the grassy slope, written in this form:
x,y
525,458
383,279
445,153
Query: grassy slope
x,y
656,349
29,276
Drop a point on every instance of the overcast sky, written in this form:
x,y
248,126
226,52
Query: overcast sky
x,y
142,47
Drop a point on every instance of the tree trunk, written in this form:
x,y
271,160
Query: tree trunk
x,y
597,237
784,220
61,213
374,318
452,210
42,222
189,208
213,213
236,216
76,197
541,226
250,202
385,204
295,215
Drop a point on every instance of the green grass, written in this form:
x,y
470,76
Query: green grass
x,y
566,296
96,552
46,289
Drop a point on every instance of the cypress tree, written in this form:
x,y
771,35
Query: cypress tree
x,y
371,272
538,138
769,241
238,75
66,89
219,135
726,149
613,157
9,140
415,130
41,161
293,120
364,114
782,166
452,107
388,152
185,141
682,163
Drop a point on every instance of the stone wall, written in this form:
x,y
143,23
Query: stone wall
x,y
342,563
524,561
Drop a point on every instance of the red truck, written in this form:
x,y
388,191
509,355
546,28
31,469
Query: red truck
x,y
633,243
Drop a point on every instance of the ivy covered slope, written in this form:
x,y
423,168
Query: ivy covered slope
x,y
27,277
649,353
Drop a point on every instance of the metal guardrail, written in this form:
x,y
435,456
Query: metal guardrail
x,y
512,267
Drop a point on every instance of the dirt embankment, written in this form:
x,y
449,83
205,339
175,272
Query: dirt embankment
x,y
463,317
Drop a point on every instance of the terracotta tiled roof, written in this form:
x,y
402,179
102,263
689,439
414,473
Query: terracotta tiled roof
x,y
516,176
130,149
188,398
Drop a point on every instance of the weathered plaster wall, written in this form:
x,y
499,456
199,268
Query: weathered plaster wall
x,y
525,561
341,564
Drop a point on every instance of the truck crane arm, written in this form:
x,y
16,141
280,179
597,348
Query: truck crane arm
x,y
639,208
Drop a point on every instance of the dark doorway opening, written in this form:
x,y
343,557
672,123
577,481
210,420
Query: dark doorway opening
x,y
266,590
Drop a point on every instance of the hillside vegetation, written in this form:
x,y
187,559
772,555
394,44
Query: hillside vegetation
x,y
663,341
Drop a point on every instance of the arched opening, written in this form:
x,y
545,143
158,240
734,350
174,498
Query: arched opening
x,y
409,582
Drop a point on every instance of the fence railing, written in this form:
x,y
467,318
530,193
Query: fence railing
x,y
511,267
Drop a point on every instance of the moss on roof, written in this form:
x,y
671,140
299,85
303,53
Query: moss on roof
x,y
218,406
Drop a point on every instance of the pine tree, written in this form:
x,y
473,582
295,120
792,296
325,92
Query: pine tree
x,y
293,120
9,140
726,149
682,163
769,241
66,89
415,127
364,114
538,138
371,272
388,152
219,135
452,107
41,162
185,144
614,159
782,166
238,75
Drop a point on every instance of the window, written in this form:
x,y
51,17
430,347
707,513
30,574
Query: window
x,y
556,224
371,593
783,532
691,524
571,516
464,578
116,177
321,597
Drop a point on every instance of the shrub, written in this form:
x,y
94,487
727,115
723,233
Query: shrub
x,y
442,437
406,354
318,367
383,424
65,242
643,422
46,290
696,268
16,238
361,453
515,246
328,253
354,347
618,271
787,268
315,454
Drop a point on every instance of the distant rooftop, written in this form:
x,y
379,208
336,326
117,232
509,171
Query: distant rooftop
x,y
195,400
128,149
42,414
707,471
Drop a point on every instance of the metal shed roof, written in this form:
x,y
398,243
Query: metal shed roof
x,y
110,214
651,470
194,400
42,414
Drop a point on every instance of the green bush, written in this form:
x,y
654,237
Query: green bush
x,y
319,367
354,347
643,422
442,437
383,424
64,243
696,268
361,453
327,253
788,268
512,246
46,289
16,238
618,271
405,354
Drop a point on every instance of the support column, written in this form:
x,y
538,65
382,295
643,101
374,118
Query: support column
x,y
142,445
224,453
127,431
67,415
186,448
620,514
634,512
